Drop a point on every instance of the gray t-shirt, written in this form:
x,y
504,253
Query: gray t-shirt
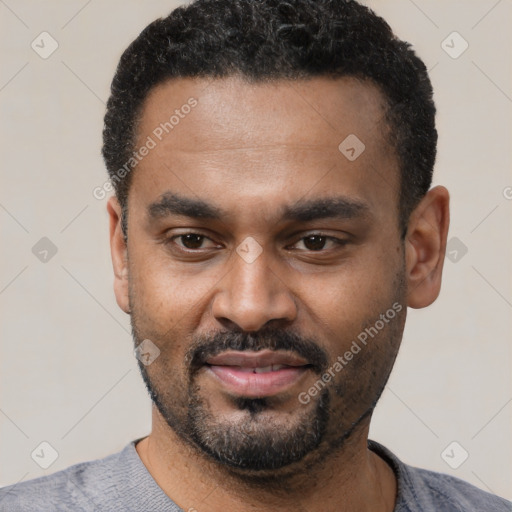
x,y
121,482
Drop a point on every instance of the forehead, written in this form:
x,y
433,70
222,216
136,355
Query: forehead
x,y
228,136
326,105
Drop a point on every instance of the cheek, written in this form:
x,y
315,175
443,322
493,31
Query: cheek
x,y
168,298
345,299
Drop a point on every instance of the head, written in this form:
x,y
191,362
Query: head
x,y
272,163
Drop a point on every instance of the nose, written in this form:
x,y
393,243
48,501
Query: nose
x,y
252,295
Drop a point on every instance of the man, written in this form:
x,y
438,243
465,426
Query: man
x,y
272,222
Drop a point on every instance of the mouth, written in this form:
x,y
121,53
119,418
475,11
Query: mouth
x,y
257,374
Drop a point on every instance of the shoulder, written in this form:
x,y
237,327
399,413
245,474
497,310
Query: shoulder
x,y
423,490
448,493
82,487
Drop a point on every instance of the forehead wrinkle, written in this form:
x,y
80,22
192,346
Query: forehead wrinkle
x,y
259,147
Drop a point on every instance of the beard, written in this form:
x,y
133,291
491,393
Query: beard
x,y
258,440
253,442
256,443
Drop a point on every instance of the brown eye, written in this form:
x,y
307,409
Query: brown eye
x,y
318,242
191,240
190,243
314,242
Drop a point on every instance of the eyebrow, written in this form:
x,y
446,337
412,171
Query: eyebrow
x,y
302,211
324,208
175,204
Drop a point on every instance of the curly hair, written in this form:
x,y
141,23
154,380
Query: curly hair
x,y
279,39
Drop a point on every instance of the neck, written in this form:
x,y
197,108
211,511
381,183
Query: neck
x,y
351,478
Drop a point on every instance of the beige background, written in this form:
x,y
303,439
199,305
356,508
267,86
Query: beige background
x,y
67,374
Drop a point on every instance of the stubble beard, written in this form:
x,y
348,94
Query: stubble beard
x,y
256,446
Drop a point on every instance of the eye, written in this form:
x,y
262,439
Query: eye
x,y
190,241
317,242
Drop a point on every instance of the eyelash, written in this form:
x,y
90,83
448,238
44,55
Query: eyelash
x,y
170,240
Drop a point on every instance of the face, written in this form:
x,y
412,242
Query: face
x,y
266,265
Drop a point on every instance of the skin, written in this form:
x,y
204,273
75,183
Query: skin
x,y
252,150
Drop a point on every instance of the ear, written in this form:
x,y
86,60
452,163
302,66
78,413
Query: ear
x,y
425,247
119,254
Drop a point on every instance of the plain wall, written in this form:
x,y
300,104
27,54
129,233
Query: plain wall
x,y
67,371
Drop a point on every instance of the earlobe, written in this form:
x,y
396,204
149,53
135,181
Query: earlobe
x,y
119,254
425,247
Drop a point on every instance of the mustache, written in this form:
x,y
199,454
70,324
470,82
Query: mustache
x,y
209,345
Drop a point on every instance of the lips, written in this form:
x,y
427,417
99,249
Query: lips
x,y
257,374
260,359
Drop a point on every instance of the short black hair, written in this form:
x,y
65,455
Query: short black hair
x,y
264,40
